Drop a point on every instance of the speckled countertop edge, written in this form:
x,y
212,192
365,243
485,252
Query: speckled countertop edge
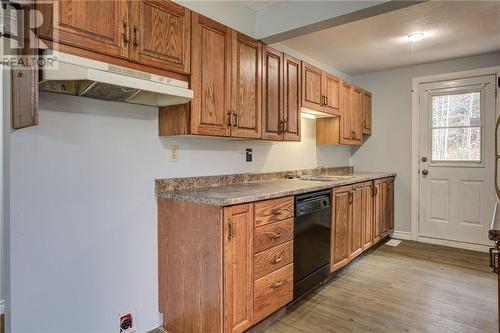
x,y
232,194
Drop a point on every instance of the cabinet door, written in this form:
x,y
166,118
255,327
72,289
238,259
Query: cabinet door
x,y
99,26
272,94
246,85
384,224
357,116
367,209
346,114
378,212
340,233
291,106
210,77
367,112
238,267
160,34
356,231
390,205
332,94
312,87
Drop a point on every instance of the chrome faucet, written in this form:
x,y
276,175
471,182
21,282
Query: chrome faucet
x,y
310,172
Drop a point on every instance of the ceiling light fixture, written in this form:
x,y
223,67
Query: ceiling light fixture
x,y
415,37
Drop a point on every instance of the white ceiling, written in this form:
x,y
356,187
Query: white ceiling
x,y
453,29
257,5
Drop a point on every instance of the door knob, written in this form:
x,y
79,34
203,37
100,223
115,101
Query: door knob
x,y
425,172
424,159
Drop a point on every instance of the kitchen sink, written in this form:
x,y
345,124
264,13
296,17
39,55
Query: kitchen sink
x,y
327,178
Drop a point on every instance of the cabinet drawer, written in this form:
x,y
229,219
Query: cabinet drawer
x,y
273,234
272,292
273,259
273,210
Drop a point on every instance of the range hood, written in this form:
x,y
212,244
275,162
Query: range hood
x,y
72,75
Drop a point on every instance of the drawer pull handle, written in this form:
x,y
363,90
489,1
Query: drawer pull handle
x,y
277,260
275,212
276,285
275,236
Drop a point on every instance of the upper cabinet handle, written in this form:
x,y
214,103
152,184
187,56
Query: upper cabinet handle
x,y
136,43
229,118
125,33
285,126
235,119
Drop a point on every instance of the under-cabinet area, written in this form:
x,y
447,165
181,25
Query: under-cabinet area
x,y
228,251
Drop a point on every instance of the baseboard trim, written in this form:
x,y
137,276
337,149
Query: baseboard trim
x,y
455,244
403,235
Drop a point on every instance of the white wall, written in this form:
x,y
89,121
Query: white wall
x,y
231,13
389,148
83,210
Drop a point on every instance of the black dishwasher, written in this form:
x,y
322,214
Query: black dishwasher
x,y
311,243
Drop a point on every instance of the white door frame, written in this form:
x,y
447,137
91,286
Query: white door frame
x,y
415,148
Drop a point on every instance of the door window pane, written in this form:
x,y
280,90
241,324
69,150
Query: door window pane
x,y
456,127
456,144
456,110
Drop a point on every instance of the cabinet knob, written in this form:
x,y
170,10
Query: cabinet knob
x,y
277,260
275,212
275,236
277,284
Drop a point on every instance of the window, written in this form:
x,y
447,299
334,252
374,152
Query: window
x,y
456,127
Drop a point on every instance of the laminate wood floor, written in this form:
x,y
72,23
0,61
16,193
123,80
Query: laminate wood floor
x,y
414,287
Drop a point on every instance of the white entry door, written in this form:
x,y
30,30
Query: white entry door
x,y
457,191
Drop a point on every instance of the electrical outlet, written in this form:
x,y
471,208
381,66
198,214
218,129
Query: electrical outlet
x,y
173,153
249,155
127,323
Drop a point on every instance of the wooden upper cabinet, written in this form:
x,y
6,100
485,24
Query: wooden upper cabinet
x,y
210,77
312,87
346,114
367,112
356,231
272,94
99,26
238,268
291,107
340,232
246,85
357,116
281,79
160,34
332,94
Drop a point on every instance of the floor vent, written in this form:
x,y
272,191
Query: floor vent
x,y
393,242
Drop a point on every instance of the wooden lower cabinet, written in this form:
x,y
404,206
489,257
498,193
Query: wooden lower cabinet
x,y
222,270
362,215
341,219
390,204
238,267
356,230
367,213
378,212
273,292
383,208
232,266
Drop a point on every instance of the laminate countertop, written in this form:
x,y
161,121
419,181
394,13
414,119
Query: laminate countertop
x,y
233,194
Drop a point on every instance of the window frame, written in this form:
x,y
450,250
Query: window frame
x,y
457,91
